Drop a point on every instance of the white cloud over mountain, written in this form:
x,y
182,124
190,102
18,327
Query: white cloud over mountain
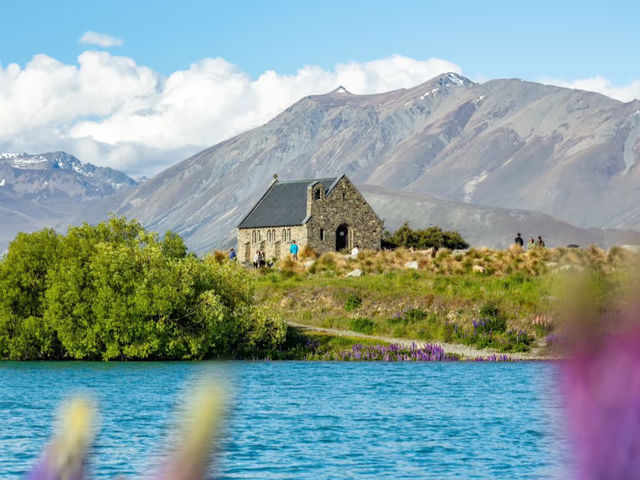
x,y
100,39
110,111
625,93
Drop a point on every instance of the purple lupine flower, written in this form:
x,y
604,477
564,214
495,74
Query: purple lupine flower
x,y
602,391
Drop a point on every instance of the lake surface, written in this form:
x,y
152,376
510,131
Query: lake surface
x,y
306,420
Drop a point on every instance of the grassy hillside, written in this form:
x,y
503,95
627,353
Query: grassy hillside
x,y
504,300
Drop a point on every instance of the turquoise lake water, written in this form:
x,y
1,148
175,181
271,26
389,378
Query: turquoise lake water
x,y
306,420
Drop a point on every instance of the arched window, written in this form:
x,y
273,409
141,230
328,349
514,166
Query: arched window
x,y
273,235
289,234
284,235
253,236
322,234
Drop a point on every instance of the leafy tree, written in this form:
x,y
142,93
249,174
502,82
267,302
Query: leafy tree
x,y
173,246
432,237
114,291
23,277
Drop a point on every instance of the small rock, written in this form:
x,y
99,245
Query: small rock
x,y
412,264
308,263
459,252
478,269
355,273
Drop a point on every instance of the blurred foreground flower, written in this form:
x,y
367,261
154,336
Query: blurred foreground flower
x,y
602,383
194,451
65,457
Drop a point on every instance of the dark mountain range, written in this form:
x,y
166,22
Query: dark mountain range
x,y
43,190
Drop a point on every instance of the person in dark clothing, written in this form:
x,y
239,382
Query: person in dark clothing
x,y
519,241
540,242
232,255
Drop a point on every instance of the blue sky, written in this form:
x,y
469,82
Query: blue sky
x,y
489,39
156,81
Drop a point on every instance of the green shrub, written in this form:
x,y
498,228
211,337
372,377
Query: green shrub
x,y
352,302
414,315
362,325
432,237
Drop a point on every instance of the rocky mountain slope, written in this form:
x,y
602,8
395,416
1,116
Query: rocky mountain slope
x,y
43,190
504,143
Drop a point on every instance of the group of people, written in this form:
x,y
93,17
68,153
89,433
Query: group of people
x,y
259,259
532,243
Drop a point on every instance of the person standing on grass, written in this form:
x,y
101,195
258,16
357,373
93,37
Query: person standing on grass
x,y
256,259
540,243
232,255
532,244
519,241
293,249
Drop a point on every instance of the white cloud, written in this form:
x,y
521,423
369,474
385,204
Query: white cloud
x,y
100,39
624,93
108,110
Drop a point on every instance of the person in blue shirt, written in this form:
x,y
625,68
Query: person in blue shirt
x,y
232,255
294,250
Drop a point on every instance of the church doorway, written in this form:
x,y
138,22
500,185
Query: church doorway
x,y
342,237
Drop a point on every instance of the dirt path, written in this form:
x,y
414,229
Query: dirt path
x,y
456,348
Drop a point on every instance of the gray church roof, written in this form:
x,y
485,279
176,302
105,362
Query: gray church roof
x,y
284,204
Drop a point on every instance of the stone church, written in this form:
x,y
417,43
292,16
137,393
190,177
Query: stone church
x,y
327,214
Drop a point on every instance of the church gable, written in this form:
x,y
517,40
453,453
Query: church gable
x,y
342,219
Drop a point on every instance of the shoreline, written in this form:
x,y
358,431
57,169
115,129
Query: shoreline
x,y
465,351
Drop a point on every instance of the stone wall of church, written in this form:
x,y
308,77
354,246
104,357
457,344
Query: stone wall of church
x,y
274,241
344,206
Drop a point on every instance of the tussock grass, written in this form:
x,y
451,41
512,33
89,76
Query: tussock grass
x,y
306,252
219,256
487,262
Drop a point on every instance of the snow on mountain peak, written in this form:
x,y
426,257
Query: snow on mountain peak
x,y
99,177
456,79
